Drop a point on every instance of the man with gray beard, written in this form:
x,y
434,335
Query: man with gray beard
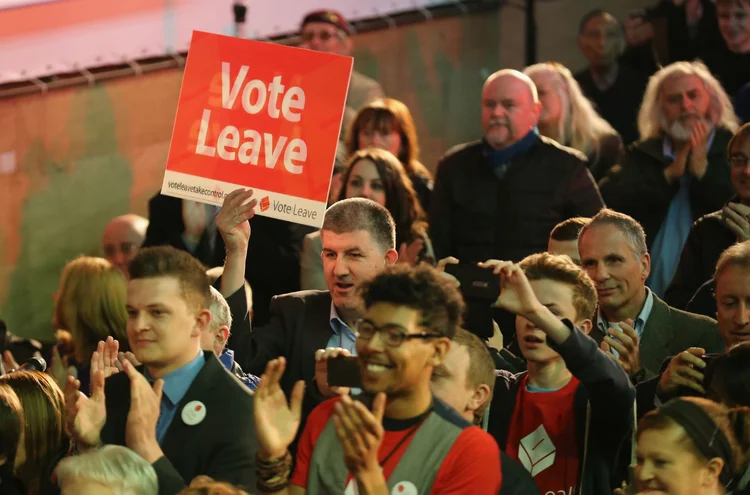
x,y
677,171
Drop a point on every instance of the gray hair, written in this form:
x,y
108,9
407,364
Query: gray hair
x,y
626,224
650,116
120,468
354,214
518,75
221,315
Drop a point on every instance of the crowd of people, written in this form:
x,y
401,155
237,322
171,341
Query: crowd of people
x,y
564,307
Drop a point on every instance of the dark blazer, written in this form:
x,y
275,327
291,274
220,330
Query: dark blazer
x,y
166,226
670,331
708,238
638,187
475,216
222,446
299,325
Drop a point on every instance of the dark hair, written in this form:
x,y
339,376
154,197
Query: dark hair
x,y
400,199
546,266
624,223
705,422
735,255
421,288
11,423
481,365
592,14
568,230
44,428
166,261
385,115
353,214
727,378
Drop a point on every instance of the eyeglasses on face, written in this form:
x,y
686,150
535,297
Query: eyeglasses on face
x,y
308,36
738,160
391,335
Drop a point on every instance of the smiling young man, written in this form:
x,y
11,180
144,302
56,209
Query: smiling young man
x,y
640,328
566,418
410,442
197,418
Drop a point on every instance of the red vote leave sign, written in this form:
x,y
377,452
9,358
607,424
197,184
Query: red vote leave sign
x,y
259,115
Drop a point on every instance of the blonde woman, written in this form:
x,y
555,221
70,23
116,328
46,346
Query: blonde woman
x,y
569,117
90,305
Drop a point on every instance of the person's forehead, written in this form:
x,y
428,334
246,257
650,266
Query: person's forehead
x,y
733,7
365,166
679,83
563,247
388,313
734,280
508,86
319,26
598,235
551,292
601,22
357,239
154,290
119,232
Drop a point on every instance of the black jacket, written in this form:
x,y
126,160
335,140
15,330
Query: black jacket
x,y
300,324
708,238
638,187
475,216
605,386
222,446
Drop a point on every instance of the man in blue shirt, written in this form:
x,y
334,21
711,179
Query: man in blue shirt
x,y
358,237
632,322
181,411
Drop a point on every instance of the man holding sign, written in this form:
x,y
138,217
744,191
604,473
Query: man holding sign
x,y
265,116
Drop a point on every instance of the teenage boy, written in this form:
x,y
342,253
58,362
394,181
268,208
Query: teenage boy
x,y
566,418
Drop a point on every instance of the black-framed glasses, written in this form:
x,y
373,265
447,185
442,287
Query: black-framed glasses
x,y
391,335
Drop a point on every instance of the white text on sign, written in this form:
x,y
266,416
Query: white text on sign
x,y
255,97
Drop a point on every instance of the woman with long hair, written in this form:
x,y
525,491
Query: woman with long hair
x,y
569,117
44,440
387,124
90,305
377,175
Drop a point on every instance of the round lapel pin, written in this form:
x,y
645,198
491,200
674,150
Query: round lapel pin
x,y
193,413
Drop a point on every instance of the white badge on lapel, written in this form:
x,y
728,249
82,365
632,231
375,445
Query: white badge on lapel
x,y
193,413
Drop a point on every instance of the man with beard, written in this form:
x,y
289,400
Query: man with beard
x,y
678,170
500,197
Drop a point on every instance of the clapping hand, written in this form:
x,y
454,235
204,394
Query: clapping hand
x,y
276,421
361,432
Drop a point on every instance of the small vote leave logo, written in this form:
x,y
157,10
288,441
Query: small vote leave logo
x,y
265,203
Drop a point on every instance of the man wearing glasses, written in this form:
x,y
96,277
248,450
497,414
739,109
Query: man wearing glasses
x,y
328,31
396,437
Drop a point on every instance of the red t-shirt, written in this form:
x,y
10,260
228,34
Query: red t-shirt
x,y
542,437
472,466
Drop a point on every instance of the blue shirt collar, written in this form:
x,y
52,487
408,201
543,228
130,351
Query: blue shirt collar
x,y
177,383
337,324
640,321
668,146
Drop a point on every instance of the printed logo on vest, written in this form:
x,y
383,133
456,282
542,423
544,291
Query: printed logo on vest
x,y
536,451
404,488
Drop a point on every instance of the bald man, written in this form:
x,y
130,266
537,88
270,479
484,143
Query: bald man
x,y
122,238
501,196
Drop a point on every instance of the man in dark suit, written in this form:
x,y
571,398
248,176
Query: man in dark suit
x,y
196,418
358,237
632,322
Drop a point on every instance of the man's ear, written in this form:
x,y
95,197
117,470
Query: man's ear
x,y
202,321
712,472
442,346
221,337
480,397
391,257
585,326
645,266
